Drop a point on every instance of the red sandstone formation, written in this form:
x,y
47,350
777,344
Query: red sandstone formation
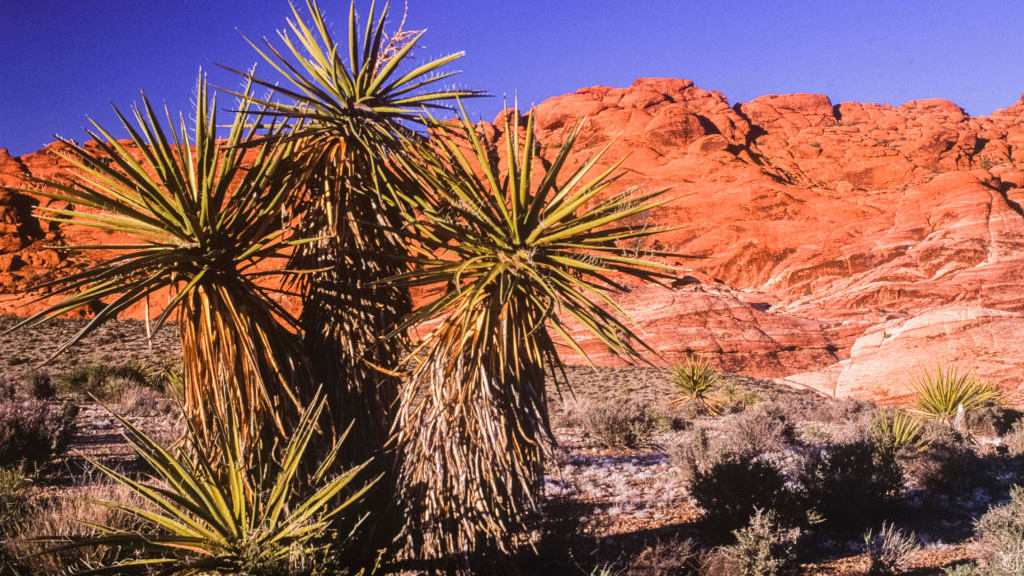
x,y
838,246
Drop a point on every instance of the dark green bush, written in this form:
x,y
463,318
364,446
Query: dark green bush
x,y
731,490
105,381
41,386
851,485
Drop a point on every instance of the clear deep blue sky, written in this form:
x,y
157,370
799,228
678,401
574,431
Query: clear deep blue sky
x,y
63,59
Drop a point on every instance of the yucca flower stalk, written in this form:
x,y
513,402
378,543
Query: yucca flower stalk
x,y
353,106
203,219
213,513
514,253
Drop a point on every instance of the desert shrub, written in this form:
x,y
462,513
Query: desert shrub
x,y
947,466
694,452
14,498
105,381
33,432
942,394
620,425
695,381
966,569
143,401
991,420
889,550
1000,537
669,557
40,386
896,432
1014,439
850,485
731,490
762,548
762,429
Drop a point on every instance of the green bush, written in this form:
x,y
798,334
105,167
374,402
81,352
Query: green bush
x,y
762,548
41,386
762,429
895,433
889,550
731,490
851,485
966,569
1000,537
616,425
105,381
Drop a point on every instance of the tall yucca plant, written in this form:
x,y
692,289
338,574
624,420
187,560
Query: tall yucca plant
x,y
515,253
204,220
353,106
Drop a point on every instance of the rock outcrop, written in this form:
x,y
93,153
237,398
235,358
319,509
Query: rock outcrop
x,y
842,247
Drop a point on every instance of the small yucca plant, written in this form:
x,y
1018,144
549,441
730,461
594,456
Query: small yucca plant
x,y
696,380
889,550
206,514
896,432
514,248
946,391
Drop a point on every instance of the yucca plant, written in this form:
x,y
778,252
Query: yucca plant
x,y
695,381
519,256
353,105
944,393
896,432
215,514
202,221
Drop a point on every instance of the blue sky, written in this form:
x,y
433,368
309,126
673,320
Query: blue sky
x,y
63,59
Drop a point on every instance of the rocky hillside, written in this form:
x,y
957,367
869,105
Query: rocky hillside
x,y
842,247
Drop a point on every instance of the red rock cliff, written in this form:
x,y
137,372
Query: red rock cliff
x,y
839,246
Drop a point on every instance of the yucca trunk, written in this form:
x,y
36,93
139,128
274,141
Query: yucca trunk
x,y
240,365
473,431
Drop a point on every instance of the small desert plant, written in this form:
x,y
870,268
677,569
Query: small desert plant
x,y
670,557
849,485
1014,439
694,452
945,392
762,548
896,433
223,515
14,498
139,400
731,490
631,425
696,380
41,386
1000,537
889,550
762,429
33,432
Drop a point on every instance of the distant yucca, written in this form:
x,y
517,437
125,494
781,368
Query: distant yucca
x,y
943,393
696,380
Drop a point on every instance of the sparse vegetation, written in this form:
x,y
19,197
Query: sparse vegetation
x,y
731,490
851,485
31,431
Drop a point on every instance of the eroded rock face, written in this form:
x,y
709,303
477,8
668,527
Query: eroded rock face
x,y
841,246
